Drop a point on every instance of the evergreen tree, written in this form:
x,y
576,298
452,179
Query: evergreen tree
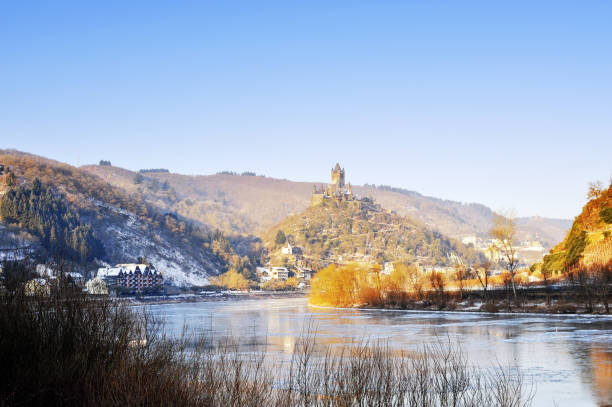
x,y
46,215
10,180
280,237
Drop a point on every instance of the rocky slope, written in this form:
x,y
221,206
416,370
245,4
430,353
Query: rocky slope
x,y
589,240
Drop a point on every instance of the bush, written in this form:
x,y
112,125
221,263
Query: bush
x,y
563,308
291,284
489,307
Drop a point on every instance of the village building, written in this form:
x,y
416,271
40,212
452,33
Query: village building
x,y
304,273
45,272
132,276
272,273
279,273
287,249
263,273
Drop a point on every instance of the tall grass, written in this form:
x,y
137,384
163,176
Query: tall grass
x,y
72,350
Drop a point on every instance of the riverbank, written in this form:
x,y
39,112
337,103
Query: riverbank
x,y
530,300
212,296
492,307
556,304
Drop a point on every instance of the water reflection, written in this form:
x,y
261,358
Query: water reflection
x,y
568,357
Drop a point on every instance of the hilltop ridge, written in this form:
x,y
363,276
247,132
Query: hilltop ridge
x,y
250,204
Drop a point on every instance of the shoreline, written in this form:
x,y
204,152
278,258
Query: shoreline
x,y
526,309
463,311
505,308
216,297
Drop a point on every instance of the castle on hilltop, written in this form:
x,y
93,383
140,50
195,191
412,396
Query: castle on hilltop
x,y
337,191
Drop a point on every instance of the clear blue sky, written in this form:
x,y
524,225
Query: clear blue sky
x,y
504,103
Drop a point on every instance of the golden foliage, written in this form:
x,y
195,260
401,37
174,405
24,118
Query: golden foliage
x,y
279,285
365,285
231,280
357,284
338,286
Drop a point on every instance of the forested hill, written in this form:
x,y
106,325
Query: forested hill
x,y
343,232
46,215
70,213
589,241
246,203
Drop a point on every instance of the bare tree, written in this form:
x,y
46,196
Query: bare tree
x,y
504,231
483,271
415,281
436,280
595,190
602,274
460,275
586,282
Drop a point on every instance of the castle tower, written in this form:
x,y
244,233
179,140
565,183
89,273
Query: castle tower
x,y
337,176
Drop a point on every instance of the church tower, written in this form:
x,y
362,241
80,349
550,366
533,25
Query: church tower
x,y
337,175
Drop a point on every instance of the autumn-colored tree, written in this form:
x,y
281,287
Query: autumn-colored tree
x,y
595,190
399,278
231,280
291,283
437,282
338,286
416,281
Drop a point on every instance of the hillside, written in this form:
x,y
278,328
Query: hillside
x,y
345,232
62,211
253,204
589,241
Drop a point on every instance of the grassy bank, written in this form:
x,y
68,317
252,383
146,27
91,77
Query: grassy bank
x,y
65,348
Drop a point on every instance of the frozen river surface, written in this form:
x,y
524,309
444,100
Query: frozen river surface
x,y
569,358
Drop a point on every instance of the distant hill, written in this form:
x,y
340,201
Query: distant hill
x,y
589,240
75,211
253,204
345,232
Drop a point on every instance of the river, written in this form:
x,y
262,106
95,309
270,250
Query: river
x,y
568,357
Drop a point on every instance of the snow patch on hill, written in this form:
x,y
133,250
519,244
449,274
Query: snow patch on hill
x,y
125,237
